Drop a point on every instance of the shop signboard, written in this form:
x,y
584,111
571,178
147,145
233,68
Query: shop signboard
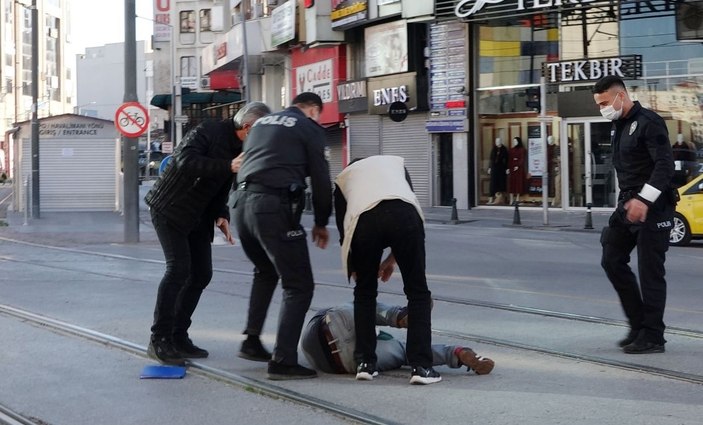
x,y
535,160
587,70
386,48
283,23
348,12
317,78
351,96
319,70
162,20
448,58
386,90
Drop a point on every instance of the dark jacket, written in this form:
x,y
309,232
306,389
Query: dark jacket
x,y
641,151
195,184
284,148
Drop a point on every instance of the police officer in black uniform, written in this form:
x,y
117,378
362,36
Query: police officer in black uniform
x,y
643,160
186,202
282,150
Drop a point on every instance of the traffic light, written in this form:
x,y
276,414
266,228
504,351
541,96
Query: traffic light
x,y
532,98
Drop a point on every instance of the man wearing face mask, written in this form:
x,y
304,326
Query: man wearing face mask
x,y
643,160
282,150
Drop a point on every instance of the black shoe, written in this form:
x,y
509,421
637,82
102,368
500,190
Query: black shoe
x,y
642,346
366,371
252,349
282,372
186,349
631,337
424,376
161,349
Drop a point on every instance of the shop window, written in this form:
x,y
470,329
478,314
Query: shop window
x,y
189,66
187,20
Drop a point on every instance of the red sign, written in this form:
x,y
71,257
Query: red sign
x,y
221,50
455,104
131,119
320,70
309,3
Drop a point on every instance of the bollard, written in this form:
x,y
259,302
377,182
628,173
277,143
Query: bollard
x,y
589,218
455,214
516,214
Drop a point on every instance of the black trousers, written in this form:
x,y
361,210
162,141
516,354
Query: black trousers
x,y
644,303
274,240
395,224
188,272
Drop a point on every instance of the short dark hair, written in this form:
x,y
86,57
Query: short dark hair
x,y
308,99
605,83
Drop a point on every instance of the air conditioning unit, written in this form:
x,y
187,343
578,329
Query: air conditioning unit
x,y
689,21
205,82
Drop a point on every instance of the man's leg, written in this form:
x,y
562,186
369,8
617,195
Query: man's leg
x,y
618,242
200,276
651,253
263,285
366,253
409,250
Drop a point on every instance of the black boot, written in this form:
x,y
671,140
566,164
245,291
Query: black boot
x,y
162,350
186,349
252,349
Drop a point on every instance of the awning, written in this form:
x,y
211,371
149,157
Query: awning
x,y
163,101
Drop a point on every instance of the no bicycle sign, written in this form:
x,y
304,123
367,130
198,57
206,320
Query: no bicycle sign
x,y
131,119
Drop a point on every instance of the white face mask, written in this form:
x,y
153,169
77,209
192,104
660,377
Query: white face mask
x,y
514,143
498,143
610,113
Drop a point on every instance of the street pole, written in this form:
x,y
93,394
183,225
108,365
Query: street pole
x,y
35,119
545,155
176,103
245,57
130,145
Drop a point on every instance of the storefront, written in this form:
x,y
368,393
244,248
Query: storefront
x,y
572,45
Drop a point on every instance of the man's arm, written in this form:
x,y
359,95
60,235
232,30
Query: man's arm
x,y
340,210
319,176
193,157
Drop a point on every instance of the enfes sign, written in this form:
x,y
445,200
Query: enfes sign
x,y
131,119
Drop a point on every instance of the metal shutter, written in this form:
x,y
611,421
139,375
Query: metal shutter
x,y
364,135
410,140
334,142
75,175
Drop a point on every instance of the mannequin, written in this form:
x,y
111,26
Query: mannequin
x,y
497,168
517,178
684,157
553,161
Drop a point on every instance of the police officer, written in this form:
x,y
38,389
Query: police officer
x,y
283,149
185,203
643,160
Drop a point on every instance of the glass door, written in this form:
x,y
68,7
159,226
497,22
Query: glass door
x,y
588,158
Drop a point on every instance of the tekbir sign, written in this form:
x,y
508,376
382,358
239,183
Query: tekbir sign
x,y
131,119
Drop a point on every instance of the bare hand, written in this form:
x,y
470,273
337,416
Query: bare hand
x,y
237,163
385,270
636,211
223,225
320,236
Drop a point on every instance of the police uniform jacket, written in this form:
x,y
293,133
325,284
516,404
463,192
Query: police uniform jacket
x,y
282,150
196,182
642,154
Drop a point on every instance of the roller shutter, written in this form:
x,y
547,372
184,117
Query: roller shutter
x,y
334,143
364,135
410,140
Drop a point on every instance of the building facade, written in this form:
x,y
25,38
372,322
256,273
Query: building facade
x,y
56,79
438,82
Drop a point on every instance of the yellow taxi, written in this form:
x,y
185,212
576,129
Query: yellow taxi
x,y
688,218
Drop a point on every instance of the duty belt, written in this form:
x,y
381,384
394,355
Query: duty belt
x,y
260,188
